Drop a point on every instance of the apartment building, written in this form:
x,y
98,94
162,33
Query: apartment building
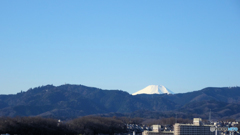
x,y
197,128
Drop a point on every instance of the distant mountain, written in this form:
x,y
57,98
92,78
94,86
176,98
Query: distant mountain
x,y
76,100
71,101
154,89
224,94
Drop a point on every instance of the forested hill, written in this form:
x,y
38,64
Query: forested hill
x,y
71,101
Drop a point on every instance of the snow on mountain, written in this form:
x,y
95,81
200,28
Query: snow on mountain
x,y
154,89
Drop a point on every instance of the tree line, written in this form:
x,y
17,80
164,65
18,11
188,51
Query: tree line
x,y
88,125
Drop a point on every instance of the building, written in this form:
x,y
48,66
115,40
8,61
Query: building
x,y
156,130
197,128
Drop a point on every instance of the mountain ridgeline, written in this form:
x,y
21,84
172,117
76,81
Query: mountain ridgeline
x,y
71,101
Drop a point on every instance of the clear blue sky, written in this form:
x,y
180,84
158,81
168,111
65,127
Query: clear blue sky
x,y
115,44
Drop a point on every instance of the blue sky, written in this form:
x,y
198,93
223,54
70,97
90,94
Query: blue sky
x,y
127,45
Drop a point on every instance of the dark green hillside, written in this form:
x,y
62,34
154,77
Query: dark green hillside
x,y
77,100
225,94
218,109
70,101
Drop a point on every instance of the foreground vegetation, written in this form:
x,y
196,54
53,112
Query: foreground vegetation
x,y
88,125
84,125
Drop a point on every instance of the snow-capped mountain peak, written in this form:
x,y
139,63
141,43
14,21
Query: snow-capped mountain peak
x,y
154,89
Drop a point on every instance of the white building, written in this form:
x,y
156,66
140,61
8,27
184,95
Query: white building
x,y
197,128
156,130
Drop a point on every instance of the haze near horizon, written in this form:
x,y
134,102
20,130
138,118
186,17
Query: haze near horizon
x,y
126,45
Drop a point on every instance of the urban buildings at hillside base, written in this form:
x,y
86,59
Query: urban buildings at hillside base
x,y
197,128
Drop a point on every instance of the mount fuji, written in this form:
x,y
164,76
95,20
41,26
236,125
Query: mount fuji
x,y
154,89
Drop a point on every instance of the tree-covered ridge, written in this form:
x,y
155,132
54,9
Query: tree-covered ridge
x,y
71,101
